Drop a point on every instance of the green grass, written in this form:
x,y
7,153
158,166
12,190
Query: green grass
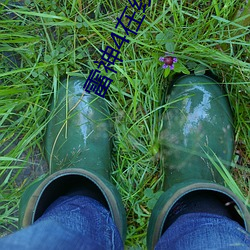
x,y
52,40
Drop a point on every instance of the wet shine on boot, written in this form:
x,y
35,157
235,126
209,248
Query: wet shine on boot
x,y
78,149
196,126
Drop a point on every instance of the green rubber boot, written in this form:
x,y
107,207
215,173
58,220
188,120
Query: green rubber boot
x,y
198,122
78,149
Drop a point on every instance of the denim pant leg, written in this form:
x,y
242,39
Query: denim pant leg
x,y
76,222
204,231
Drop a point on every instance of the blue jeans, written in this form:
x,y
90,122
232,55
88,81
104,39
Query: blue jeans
x,y
80,222
76,222
204,231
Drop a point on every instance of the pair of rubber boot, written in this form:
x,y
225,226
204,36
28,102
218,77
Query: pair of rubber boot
x,y
196,126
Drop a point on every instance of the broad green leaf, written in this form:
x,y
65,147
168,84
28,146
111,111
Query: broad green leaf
x,y
166,72
169,46
200,70
160,38
179,67
148,192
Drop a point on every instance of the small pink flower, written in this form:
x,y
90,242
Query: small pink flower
x,y
168,61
